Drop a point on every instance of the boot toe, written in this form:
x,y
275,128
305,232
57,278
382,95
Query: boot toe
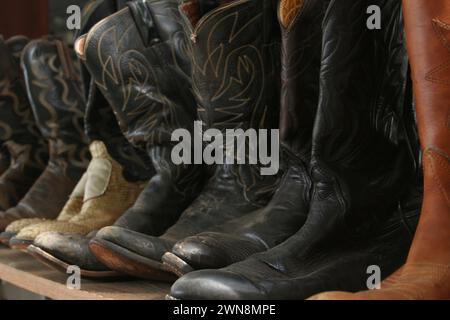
x,y
214,285
147,246
211,250
70,249
201,253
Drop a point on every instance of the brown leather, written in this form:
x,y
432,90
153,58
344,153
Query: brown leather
x,y
14,183
426,274
46,198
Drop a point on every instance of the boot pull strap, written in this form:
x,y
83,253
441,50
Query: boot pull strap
x,y
144,22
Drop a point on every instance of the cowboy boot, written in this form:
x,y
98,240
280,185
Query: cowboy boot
x,y
57,103
71,208
101,125
361,166
18,131
256,232
103,129
107,195
147,123
234,190
426,274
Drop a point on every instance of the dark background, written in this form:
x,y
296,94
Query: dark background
x,y
35,18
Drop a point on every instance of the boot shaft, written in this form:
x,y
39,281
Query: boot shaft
x,y
93,12
427,25
149,66
16,117
234,49
430,75
54,89
360,144
154,97
100,121
301,29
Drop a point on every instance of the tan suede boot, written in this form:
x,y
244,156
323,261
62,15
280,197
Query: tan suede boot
x,y
72,208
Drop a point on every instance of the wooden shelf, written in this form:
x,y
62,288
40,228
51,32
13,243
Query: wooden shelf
x,y
25,272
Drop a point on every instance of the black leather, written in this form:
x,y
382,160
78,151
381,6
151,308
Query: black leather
x,y
365,202
52,77
100,121
18,130
285,214
251,70
154,99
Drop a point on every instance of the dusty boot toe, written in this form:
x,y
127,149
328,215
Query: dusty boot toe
x,y
69,250
147,246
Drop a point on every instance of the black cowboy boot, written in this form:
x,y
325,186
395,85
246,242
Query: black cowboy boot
x,y
236,240
147,120
18,131
149,112
231,94
362,169
130,167
56,99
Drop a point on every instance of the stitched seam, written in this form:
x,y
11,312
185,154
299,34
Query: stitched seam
x,y
430,75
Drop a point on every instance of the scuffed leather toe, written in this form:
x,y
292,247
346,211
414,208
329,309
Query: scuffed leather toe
x,y
215,285
213,250
71,249
147,246
200,254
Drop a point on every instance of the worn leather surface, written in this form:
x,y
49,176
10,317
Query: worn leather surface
x,y
101,124
73,249
149,63
19,134
426,274
100,121
234,190
54,87
284,215
362,209
55,94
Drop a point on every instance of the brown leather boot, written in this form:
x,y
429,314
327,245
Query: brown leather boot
x,y
19,134
54,90
426,274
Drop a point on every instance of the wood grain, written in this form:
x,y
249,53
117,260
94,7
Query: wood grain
x,y
25,272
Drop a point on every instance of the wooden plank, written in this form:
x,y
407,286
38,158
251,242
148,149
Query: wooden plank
x,y
27,273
